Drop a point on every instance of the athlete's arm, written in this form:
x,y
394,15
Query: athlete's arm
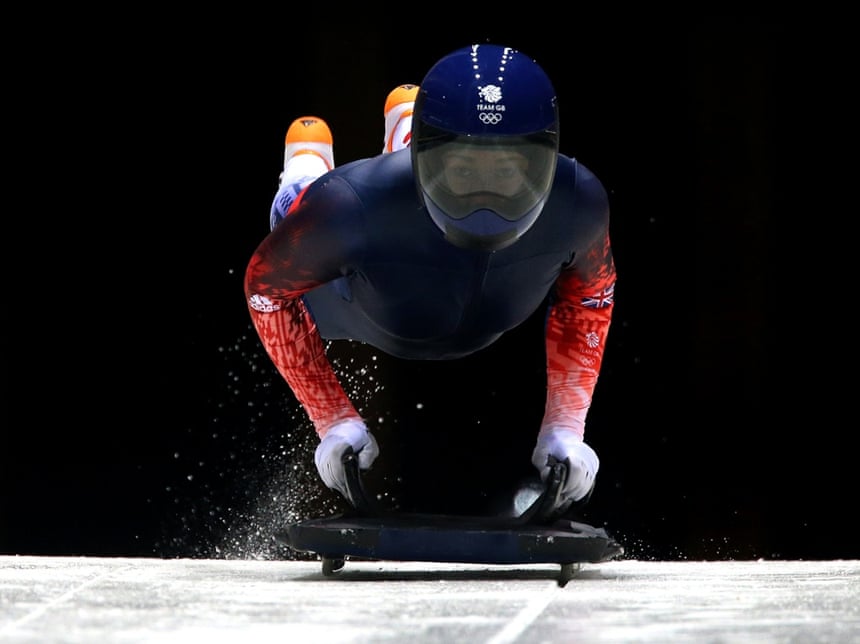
x,y
576,329
301,253
294,345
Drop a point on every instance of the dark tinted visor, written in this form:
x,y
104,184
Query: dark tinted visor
x,y
508,175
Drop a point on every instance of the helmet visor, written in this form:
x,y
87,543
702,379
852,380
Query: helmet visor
x,y
508,175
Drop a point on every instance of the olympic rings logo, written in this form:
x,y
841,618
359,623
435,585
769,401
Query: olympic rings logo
x,y
490,118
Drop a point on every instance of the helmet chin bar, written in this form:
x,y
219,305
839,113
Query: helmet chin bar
x,y
482,230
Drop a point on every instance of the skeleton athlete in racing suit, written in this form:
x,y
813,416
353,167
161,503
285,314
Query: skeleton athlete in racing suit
x,y
433,252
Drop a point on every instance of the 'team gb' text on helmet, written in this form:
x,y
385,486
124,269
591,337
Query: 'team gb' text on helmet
x,y
484,145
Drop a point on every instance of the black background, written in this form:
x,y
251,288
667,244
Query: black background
x,y
140,416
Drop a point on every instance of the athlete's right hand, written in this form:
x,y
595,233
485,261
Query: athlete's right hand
x,y
330,451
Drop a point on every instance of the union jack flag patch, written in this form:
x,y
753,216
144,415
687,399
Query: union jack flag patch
x,y
603,299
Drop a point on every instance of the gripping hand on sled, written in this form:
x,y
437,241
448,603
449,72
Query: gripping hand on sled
x,y
329,453
563,445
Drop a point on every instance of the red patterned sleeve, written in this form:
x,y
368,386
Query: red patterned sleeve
x,y
295,347
576,331
274,283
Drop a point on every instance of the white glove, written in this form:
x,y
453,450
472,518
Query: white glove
x,y
582,461
329,453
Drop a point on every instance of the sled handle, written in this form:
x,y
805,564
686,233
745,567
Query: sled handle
x,y
357,495
547,507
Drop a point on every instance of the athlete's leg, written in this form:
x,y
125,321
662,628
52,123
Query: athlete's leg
x,y
308,154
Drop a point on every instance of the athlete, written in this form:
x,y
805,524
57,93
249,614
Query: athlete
x,y
468,221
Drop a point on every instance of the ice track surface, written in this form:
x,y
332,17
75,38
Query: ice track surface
x,y
104,600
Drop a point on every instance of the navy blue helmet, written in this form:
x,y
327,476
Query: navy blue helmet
x,y
484,144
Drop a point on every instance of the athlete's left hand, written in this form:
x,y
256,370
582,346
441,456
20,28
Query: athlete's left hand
x,y
582,463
